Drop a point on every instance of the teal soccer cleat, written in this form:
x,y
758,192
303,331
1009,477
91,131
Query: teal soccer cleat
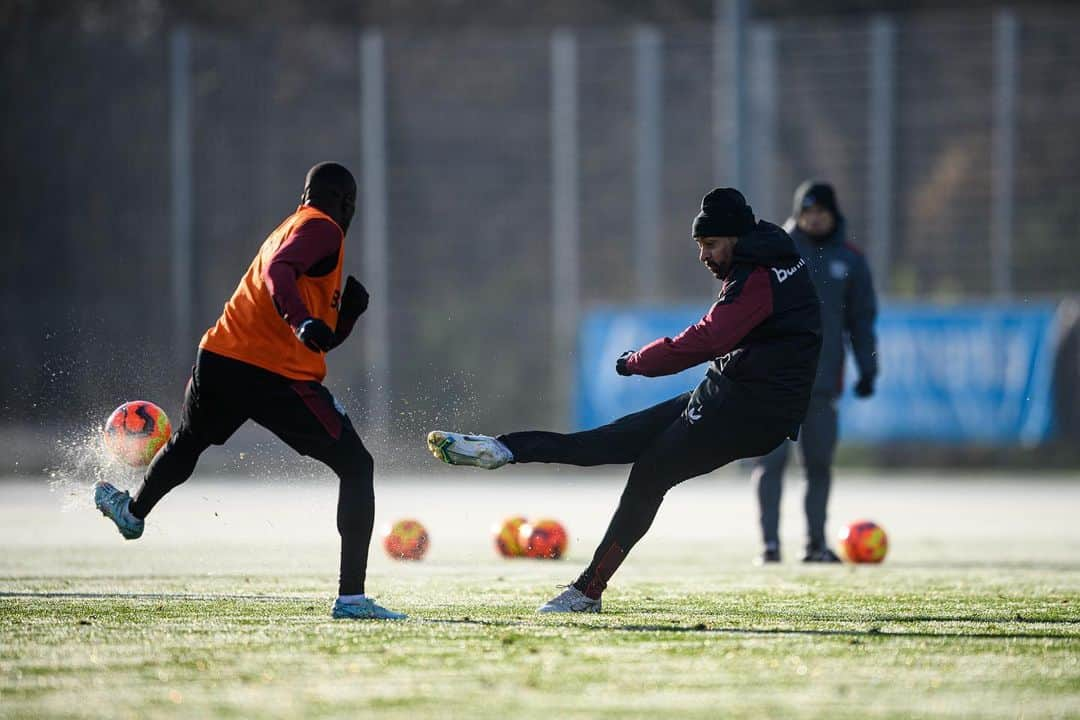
x,y
363,609
115,504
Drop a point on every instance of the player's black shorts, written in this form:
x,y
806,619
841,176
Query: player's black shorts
x,y
224,393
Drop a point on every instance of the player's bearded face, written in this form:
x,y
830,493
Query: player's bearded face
x,y
716,254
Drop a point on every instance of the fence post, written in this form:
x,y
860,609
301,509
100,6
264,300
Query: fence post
x,y
761,178
882,125
1006,42
648,101
730,108
565,215
180,191
376,255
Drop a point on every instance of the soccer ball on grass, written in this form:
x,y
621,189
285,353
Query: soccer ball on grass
x,y
507,536
864,541
543,539
406,540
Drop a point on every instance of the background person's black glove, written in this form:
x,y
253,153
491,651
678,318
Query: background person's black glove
x,y
354,299
865,387
620,364
316,335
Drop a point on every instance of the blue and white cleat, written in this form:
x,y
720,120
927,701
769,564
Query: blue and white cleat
x,y
363,609
480,451
115,505
570,600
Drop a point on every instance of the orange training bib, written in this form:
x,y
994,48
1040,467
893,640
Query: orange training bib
x,y
250,328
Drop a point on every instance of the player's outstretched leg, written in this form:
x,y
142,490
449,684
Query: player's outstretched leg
x,y
211,413
170,467
480,451
617,443
115,504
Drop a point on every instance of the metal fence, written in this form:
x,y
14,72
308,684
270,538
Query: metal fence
x,y
509,179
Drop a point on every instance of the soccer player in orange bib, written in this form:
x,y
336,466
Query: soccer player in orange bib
x,y
264,360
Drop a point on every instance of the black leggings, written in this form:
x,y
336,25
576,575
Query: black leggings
x,y
668,443
817,442
223,394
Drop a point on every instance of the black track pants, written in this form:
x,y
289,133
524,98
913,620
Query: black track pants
x,y
817,443
668,443
222,395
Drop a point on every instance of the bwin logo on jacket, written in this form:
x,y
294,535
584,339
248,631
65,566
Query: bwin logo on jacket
x,y
782,274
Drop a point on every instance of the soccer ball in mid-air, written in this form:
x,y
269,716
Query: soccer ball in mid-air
x,y
406,540
864,542
136,431
544,539
508,536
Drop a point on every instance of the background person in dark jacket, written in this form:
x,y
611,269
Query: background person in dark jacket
x,y
848,309
761,339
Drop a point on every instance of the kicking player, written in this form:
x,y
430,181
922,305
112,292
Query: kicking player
x,y
762,336
264,360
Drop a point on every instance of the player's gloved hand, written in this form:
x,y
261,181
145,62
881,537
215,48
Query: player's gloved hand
x,y
316,335
865,387
620,364
354,299
353,303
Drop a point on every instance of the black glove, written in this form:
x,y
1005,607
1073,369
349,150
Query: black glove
x,y
620,364
353,303
865,387
354,299
316,335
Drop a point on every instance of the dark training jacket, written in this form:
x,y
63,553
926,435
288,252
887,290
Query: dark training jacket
x,y
841,276
763,334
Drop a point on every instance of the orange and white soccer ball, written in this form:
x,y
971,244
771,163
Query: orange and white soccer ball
x,y
406,540
864,541
507,536
136,431
545,539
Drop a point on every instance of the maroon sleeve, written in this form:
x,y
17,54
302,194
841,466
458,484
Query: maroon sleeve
x,y
309,243
727,322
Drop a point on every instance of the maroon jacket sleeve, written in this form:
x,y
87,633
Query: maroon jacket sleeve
x,y
738,311
308,244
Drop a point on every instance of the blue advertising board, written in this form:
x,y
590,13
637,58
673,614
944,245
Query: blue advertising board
x,y
955,374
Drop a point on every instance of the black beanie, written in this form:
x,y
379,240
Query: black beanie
x,y
724,213
815,192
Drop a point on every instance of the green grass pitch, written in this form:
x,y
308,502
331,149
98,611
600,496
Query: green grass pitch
x,y
219,613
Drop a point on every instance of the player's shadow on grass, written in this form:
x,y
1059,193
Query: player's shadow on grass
x,y
1039,566
873,632
982,620
854,634
205,597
